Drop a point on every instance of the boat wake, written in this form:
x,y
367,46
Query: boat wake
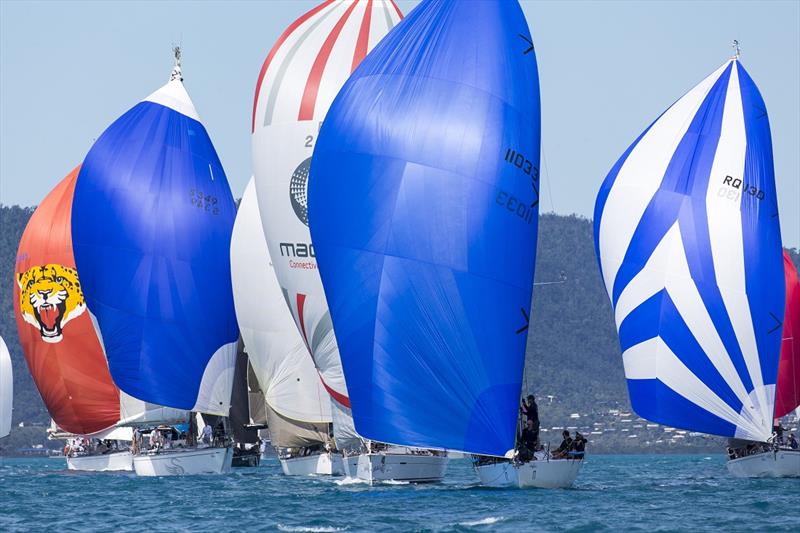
x,y
489,520
350,481
394,482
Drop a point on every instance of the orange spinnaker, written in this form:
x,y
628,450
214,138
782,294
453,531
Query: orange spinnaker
x,y
55,329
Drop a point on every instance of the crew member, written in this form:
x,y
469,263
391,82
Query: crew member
x,y
563,449
528,442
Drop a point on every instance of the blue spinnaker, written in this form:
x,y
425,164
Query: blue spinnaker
x,y
151,221
423,206
689,244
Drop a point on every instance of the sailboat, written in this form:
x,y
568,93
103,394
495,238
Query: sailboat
x,y
6,389
298,406
689,246
423,208
59,341
151,224
297,83
781,460
246,452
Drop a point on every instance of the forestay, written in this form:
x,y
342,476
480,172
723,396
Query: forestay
x,y
55,329
423,205
298,80
688,240
277,353
151,226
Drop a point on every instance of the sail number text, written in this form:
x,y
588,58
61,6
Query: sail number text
x,y
733,188
206,202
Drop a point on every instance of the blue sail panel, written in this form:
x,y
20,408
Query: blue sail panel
x,y
423,210
688,240
152,219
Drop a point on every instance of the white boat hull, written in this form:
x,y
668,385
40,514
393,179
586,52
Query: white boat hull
x,y
351,465
109,462
326,463
783,463
184,462
410,467
543,474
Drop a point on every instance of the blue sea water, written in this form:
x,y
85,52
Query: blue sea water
x,y
634,492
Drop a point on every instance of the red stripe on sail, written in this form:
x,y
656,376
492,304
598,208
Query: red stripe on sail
x,y
301,301
787,390
338,396
285,35
362,44
315,76
399,14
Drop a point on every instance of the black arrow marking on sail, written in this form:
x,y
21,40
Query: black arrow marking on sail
x,y
779,324
763,111
527,321
530,48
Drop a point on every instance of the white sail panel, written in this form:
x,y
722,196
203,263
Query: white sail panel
x,y
299,79
135,412
6,389
278,355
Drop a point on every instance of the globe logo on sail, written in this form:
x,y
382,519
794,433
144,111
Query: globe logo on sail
x,y
298,190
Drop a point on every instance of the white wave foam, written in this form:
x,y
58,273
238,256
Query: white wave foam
x,y
350,481
311,529
395,482
489,520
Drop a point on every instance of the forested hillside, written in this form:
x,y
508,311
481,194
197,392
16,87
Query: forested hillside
x,y
573,362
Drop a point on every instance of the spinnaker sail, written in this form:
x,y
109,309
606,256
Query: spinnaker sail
x,y
59,341
151,226
787,394
689,246
278,355
423,208
299,79
6,389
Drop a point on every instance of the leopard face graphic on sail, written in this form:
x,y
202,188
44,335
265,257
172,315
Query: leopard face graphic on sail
x,y
50,296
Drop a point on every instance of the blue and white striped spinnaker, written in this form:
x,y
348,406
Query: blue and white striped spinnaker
x,y
687,236
152,219
423,206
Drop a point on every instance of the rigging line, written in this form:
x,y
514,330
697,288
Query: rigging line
x,y
546,176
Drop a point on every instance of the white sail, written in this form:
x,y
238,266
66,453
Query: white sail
x,y
135,412
280,359
298,81
6,389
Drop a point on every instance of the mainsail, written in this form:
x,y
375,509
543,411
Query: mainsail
x,y
787,394
423,204
688,240
6,389
151,228
298,81
278,355
60,343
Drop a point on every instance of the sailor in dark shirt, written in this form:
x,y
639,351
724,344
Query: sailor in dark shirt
x,y
578,447
563,449
530,409
531,412
528,441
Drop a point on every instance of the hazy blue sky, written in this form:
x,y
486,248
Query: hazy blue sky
x,y
68,69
